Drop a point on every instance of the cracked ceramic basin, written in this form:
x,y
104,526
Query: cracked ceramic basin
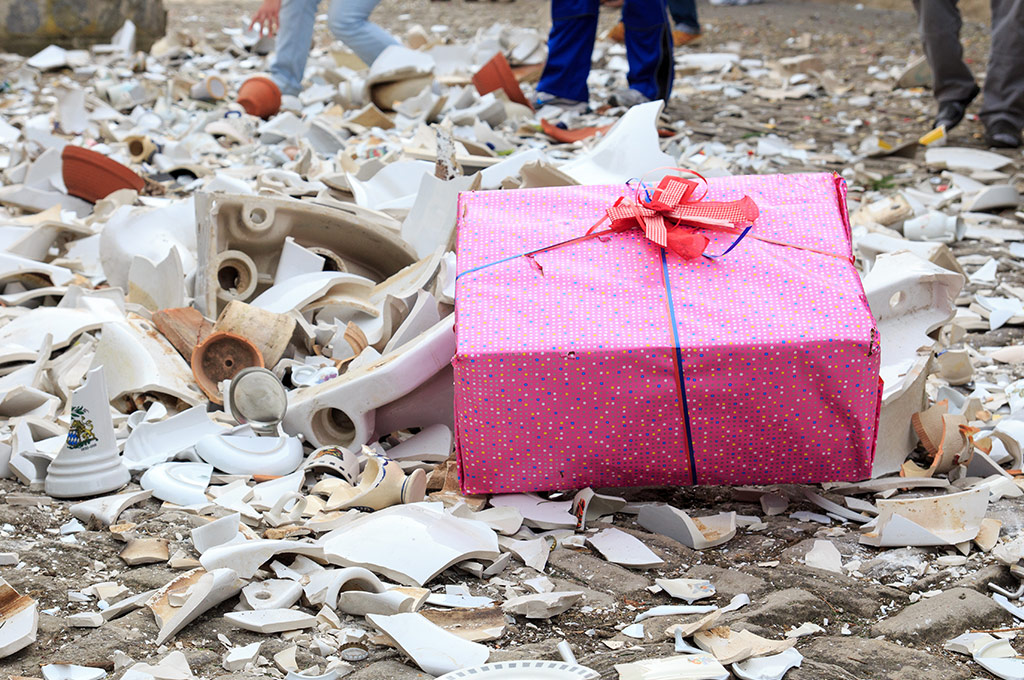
x,y
243,237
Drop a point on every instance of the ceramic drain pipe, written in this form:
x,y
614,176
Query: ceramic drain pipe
x,y
411,387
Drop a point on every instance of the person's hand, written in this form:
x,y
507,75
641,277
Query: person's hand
x,y
268,17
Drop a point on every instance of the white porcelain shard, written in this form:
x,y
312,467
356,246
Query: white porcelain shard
x,y
824,555
434,649
157,442
19,620
298,291
772,667
67,671
430,223
220,531
683,667
178,483
697,533
505,519
237,657
629,149
240,454
385,541
202,590
157,285
271,620
934,226
247,557
621,548
107,509
296,260
732,646
432,444
393,187
961,158
537,512
689,589
411,387
935,520
89,463
674,610
542,605
137,360
1000,658
382,485
587,505
533,553
266,494
271,594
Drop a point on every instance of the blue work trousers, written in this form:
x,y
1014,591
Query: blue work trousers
x,y
571,45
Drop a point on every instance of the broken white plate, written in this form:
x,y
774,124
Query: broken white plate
x,y
674,610
682,667
246,557
242,455
772,667
962,158
179,483
538,512
824,555
524,670
434,649
935,520
298,291
1000,659
697,533
384,541
621,548
542,605
689,589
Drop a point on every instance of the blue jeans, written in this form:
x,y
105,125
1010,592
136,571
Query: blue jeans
x,y
348,21
684,15
571,46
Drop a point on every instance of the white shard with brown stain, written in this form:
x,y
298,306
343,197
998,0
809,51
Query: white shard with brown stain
x,y
19,620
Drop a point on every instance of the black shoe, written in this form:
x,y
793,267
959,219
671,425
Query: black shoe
x,y
952,112
1002,134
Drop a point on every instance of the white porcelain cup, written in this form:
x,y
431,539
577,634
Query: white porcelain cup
x,y
933,226
210,88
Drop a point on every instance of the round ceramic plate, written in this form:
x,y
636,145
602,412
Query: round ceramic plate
x,y
524,670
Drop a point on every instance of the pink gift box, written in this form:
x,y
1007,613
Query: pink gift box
x,y
568,373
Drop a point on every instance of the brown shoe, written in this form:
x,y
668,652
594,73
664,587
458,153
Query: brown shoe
x,y
680,38
617,33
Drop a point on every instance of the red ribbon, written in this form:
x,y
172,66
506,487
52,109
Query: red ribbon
x,y
670,214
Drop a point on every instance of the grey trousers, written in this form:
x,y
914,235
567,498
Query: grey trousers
x,y
940,23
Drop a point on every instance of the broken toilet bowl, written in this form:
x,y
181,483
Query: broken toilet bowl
x,y
89,464
411,387
210,88
220,357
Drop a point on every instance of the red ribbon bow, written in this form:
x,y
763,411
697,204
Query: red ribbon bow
x,y
671,208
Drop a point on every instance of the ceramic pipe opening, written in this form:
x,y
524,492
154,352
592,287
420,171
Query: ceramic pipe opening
x,y
334,426
257,217
137,148
332,262
236,276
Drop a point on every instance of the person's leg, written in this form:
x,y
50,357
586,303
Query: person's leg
x,y
939,22
684,15
1004,77
570,49
294,40
349,22
649,47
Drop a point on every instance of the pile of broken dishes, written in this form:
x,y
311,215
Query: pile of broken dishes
x,y
233,336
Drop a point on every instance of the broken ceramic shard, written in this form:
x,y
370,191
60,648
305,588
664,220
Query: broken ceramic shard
x,y
684,667
383,484
938,520
89,463
200,590
18,620
542,605
697,533
688,589
729,646
772,667
179,483
621,548
271,620
107,509
434,649
381,542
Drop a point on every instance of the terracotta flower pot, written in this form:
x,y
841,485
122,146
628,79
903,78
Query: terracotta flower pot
x,y
260,96
92,176
497,75
220,357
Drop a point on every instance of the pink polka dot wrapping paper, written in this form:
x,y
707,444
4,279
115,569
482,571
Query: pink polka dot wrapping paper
x,y
566,366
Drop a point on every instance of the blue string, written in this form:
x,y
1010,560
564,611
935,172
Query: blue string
x,y
734,244
679,364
